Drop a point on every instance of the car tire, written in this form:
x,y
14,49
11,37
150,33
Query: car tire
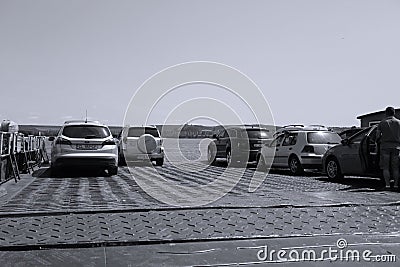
x,y
159,162
333,170
112,171
211,157
295,166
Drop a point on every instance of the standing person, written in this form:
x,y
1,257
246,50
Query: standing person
x,y
388,135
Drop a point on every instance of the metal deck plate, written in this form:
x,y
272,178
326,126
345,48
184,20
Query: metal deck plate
x,y
193,224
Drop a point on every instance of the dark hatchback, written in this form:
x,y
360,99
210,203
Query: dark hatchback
x,y
357,155
238,144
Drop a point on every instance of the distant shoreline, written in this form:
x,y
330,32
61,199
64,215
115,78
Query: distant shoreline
x,y
185,131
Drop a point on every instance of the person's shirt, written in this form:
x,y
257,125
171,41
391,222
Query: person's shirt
x,y
388,132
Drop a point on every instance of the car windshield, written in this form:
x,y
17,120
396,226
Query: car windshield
x,y
86,131
257,133
138,131
323,138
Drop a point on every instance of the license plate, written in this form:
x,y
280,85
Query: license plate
x,y
87,147
257,145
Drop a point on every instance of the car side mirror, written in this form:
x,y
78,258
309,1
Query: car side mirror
x,y
51,138
345,142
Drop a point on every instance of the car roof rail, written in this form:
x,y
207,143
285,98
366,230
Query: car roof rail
x,y
293,125
139,126
300,127
317,127
81,121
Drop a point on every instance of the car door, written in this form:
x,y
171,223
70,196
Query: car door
x,y
286,148
369,153
350,160
276,144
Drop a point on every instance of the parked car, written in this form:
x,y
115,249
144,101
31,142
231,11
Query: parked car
x,y
357,155
299,147
140,143
238,144
85,144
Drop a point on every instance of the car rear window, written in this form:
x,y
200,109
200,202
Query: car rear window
x,y
258,134
86,131
138,131
323,138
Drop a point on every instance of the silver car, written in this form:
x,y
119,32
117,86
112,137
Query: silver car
x,y
141,143
299,148
84,144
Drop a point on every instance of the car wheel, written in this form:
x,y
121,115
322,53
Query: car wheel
x,y
295,166
160,162
112,171
210,156
333,170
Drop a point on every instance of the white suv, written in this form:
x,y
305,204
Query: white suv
x,y
299,147
141,143
85,144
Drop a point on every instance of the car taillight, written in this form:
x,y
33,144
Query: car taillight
x,y
63,141
109,142
308,149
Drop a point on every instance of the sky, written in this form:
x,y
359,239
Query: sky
x,y
316,62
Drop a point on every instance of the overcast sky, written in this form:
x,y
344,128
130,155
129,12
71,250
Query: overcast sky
x,y
316,61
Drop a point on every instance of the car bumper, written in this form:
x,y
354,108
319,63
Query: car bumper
x,y
138,157
85,160
249,156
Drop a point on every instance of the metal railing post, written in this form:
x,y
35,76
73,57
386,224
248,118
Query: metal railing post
x,y
19,153
1,144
